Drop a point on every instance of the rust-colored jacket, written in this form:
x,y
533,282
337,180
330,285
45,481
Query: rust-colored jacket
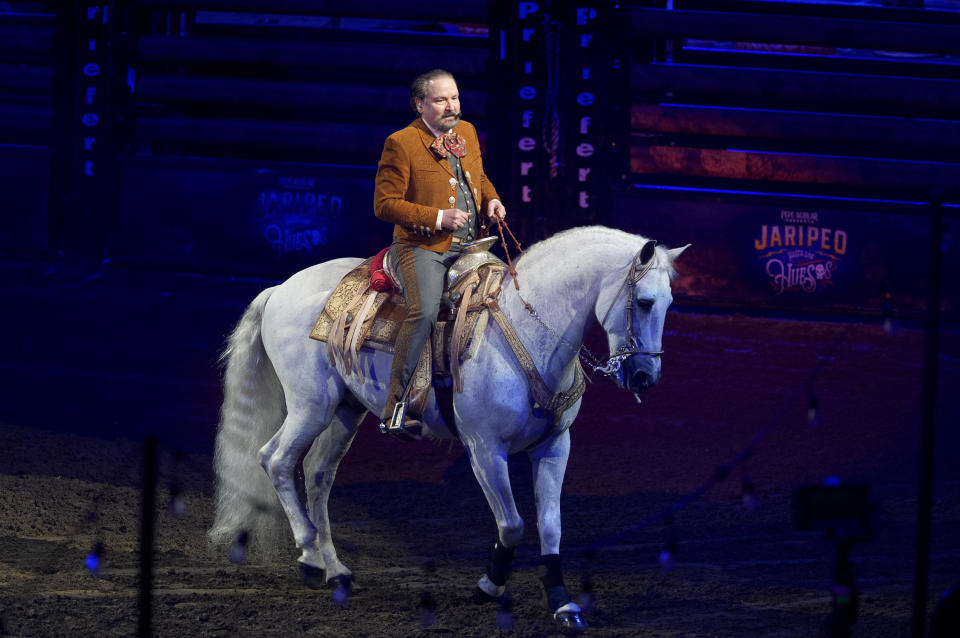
x,y
413,184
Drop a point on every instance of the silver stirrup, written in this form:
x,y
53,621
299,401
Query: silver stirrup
x,y
395,424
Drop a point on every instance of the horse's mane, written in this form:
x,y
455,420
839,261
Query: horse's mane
x,y
596,235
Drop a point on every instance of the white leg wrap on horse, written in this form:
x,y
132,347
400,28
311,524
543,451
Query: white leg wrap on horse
x,y
569,607
487,587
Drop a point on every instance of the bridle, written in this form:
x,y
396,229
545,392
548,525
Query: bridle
x,y
640,265
644,259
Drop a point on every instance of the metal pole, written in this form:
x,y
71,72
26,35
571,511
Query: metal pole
x,y
931,344
148,503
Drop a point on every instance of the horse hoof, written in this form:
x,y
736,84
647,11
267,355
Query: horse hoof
x,y
312,577
343,588
343,583
570,621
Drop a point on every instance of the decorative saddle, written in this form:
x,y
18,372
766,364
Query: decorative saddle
x,y
357,315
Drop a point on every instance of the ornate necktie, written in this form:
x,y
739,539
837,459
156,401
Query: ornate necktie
x,y
449,143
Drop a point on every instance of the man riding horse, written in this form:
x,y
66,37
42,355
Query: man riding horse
x,y
430,184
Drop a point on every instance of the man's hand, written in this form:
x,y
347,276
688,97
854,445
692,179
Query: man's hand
x,y
454,218
495,210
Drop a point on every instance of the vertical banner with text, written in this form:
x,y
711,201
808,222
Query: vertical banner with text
x,y
594,81
518,41
88,172
559,59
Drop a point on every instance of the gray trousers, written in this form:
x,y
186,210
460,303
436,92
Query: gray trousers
x,y
421,273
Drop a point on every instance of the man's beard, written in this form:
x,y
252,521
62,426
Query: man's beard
x,y
443,123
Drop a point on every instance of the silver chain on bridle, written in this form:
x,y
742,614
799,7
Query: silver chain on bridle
x,y
630,348
615,361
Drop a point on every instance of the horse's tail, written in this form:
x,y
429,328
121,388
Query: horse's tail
x,y
247,509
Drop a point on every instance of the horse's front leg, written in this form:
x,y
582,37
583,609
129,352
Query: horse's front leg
x,y
549,465
490,468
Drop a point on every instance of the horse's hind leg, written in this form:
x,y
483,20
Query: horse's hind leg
x,y
304,422
320,470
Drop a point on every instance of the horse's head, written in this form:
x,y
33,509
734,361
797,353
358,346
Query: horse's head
x,y
631,307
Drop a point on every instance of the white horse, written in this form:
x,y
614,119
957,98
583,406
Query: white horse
x,y
282,395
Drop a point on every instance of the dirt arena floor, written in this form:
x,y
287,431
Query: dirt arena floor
x,y
412,524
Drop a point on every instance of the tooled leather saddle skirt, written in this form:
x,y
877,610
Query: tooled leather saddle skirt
x,y
356,316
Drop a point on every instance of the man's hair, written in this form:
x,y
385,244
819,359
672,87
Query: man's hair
x,y
418,90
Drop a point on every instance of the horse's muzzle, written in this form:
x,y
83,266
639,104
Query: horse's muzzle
x,y
641,372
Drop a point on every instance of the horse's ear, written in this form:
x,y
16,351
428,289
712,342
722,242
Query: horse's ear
x,y
646,253
673,253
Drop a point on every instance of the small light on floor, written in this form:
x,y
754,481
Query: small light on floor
x,y
666,560
92,561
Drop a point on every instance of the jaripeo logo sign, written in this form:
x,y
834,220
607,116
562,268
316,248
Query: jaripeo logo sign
x,y
799,254
297,217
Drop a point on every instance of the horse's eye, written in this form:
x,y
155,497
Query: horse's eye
x,y
645,304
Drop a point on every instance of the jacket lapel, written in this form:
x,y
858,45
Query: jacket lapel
x,y
427,138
